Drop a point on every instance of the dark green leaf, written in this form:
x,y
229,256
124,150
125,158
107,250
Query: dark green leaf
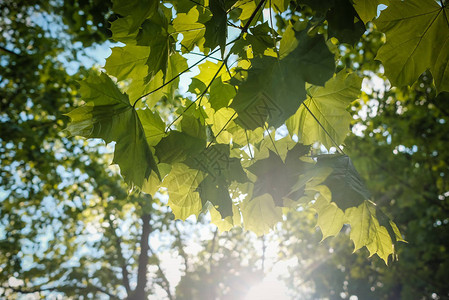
x,y
276,177
138,10
177,147
346,185
216,193
108,115
342,25
276,88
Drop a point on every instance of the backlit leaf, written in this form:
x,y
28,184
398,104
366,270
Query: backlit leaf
x,y
108,115
328,104
260,214
276,88
181,184
417,34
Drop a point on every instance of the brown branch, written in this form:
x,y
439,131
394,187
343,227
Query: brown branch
x,y
181,249
121,258
142,269
9,51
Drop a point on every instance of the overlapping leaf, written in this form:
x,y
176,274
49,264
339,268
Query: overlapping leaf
x,y
109,115
367,9
417,34
278,178
275,88
221,170
217,28
136,10
260,214
323,117
181,184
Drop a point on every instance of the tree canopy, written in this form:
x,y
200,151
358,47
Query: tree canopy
x,y
219,150
254,115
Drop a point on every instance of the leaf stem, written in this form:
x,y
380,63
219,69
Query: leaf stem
x,y
243,30
249,146
174,78
200,97
248,23
272,141
221,130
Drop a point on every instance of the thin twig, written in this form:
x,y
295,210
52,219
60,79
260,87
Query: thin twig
x,y
221,130
200,97
249,146
200,54
9,51
272,141
327,133
174,78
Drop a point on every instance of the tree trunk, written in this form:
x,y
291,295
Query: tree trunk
x,y
140,292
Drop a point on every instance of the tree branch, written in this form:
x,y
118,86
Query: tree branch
x,y
181,249
166,285
142,269
9,51
121,258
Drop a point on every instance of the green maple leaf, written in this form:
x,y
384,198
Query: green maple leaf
x,y
276,88
367,9
346,185
220,93
217,163
327,104
220,170
260,214
259,39
225,224
217,28
121,30
146,55
366,231
137,10
154,34
330,217
127,62
109,115
182,183
276,177
417,34
191,28
341,22
177,147
217,193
